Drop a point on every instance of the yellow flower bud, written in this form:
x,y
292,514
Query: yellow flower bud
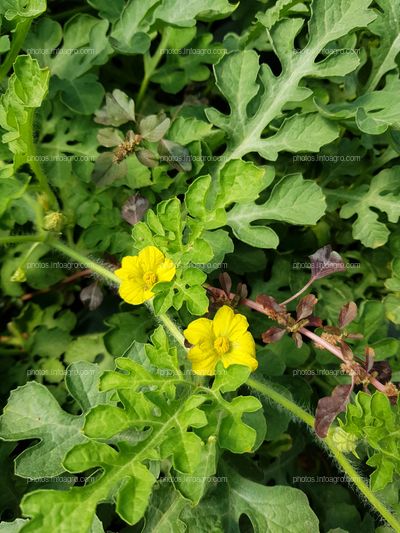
x,y
54,221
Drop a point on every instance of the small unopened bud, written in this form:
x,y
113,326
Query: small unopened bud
x,y
54,221
19,275
345,442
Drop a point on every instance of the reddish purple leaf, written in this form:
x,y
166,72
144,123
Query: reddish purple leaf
x,y
325,262
134,209
314,321
242,290
329,407
272,335
269,303
346,351
347,314
306,306
225,282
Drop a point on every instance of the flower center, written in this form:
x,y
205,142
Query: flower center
x,y
149,279
221,345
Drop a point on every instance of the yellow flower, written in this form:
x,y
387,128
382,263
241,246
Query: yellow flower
x,y
223,339
139,274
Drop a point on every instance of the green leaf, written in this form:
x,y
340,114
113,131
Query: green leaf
x,y
82,95
187,13
292,200
373,112
269,509
22,8
186,130
26,90
82,381
12,186
382,194
33,413
164,509
130,32
299,133
195,485
84,45
181,67
387,27
374,420
237,76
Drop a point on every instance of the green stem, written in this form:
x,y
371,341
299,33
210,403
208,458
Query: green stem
x,y
17,239
31,158
290,406
85,261
355,478
150,65
16,44
169,324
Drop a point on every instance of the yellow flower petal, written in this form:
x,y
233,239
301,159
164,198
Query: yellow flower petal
x,y
223,339
133,293
198,330
238,327
228,324
130,268
245,343
222,321
166,271
204,359
238,357
150,258
140,273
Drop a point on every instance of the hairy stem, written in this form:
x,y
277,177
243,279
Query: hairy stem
x,y
85,261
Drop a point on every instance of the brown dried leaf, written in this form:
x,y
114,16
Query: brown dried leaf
x,y
329,407
346,351
306,306
272,335
269,303
225,282
347,314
